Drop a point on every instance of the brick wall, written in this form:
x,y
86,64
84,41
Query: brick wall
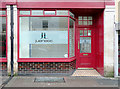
x,y
3,68
45,67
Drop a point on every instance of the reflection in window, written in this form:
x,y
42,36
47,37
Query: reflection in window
x,y
45,23
81,32
2,36
89,22
85,20
89,32
84,17
2,12
89,17
37,23
80,18
85,44
49,12
62,12
71,14
24,12
37,12
80,22
85,32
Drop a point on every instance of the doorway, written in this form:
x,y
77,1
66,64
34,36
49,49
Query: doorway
x,y
85,47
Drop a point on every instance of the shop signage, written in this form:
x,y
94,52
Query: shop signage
x,y
44,37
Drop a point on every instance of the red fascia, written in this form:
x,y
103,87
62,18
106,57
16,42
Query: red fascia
x,y
57,4
3,3
54,4
61,5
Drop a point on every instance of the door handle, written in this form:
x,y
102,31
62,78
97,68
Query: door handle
x,y
78,45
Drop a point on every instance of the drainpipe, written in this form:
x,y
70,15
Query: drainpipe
x,y
12,39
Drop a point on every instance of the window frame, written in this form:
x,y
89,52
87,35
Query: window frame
x,y
85,26
69,59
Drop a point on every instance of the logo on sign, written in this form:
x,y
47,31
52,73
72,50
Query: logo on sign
x,y
43,37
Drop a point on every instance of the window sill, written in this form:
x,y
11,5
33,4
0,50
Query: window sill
x,y
46,59
3,60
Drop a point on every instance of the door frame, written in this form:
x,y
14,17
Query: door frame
x,y
78,38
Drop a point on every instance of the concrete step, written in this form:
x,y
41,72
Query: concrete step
x,y
86,72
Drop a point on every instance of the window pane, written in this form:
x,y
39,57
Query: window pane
x,y
71,39
89,22
49,12
85,32
37,12
24,12
89,32
2,12
45,24
71,14
62,12
80,18
2,36
89,17
38,22
80,22
84,17
81,32
85,44
43,37
84,22
48,51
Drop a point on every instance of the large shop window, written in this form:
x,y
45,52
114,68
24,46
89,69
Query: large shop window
x,y
45,37
2,37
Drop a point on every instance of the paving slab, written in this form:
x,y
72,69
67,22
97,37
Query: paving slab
x,y
28,81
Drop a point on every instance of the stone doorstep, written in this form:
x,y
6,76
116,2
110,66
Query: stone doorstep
x,y
85,72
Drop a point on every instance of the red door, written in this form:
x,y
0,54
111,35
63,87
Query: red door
x,y
85,48
85,42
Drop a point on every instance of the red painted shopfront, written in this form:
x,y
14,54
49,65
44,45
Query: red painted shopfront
x,y
60,36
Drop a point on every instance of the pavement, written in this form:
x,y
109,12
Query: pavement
x,y
69,81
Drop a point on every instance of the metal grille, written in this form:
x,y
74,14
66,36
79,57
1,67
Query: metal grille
x,y
49,79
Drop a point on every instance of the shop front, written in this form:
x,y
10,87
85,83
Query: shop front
x,y
58,38
56,41
46,37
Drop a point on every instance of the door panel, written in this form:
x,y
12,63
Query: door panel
x,y
85,52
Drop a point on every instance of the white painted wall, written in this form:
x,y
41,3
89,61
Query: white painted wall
x,y
15,39
116,38
109,15
8,40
